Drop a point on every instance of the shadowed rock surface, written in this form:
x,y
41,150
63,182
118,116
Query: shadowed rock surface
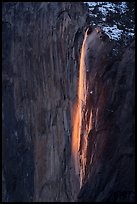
x,y
41,53
110,170
41,46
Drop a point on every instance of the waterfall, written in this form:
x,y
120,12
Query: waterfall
x,y
80,129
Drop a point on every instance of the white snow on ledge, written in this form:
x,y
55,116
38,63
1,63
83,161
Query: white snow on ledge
x,y
105,7
113,32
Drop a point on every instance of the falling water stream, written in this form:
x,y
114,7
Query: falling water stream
x,y
80,129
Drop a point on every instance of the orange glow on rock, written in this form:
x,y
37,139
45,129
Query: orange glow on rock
x,y
78,112
82,119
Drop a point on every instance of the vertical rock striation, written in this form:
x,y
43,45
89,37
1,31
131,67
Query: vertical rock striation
x,y
41,49
110,158
41,57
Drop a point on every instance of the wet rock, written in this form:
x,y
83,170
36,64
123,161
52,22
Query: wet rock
x,y
41,45
110,170
41,53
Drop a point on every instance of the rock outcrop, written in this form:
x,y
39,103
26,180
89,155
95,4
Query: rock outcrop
x,y
110,166
41,51
41,55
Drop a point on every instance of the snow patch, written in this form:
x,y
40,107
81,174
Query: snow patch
x,y
105,8
113,32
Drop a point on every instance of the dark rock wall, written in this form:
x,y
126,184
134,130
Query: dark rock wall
x,y
41,48
110,152
41,53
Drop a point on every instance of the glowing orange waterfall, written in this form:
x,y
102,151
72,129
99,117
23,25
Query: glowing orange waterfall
x,y
78,114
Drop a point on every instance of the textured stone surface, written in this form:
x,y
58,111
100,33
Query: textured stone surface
x,y
41,46
110,153
41,53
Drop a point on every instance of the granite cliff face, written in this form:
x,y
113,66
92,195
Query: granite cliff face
x,y
41,58
41,46
109,169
